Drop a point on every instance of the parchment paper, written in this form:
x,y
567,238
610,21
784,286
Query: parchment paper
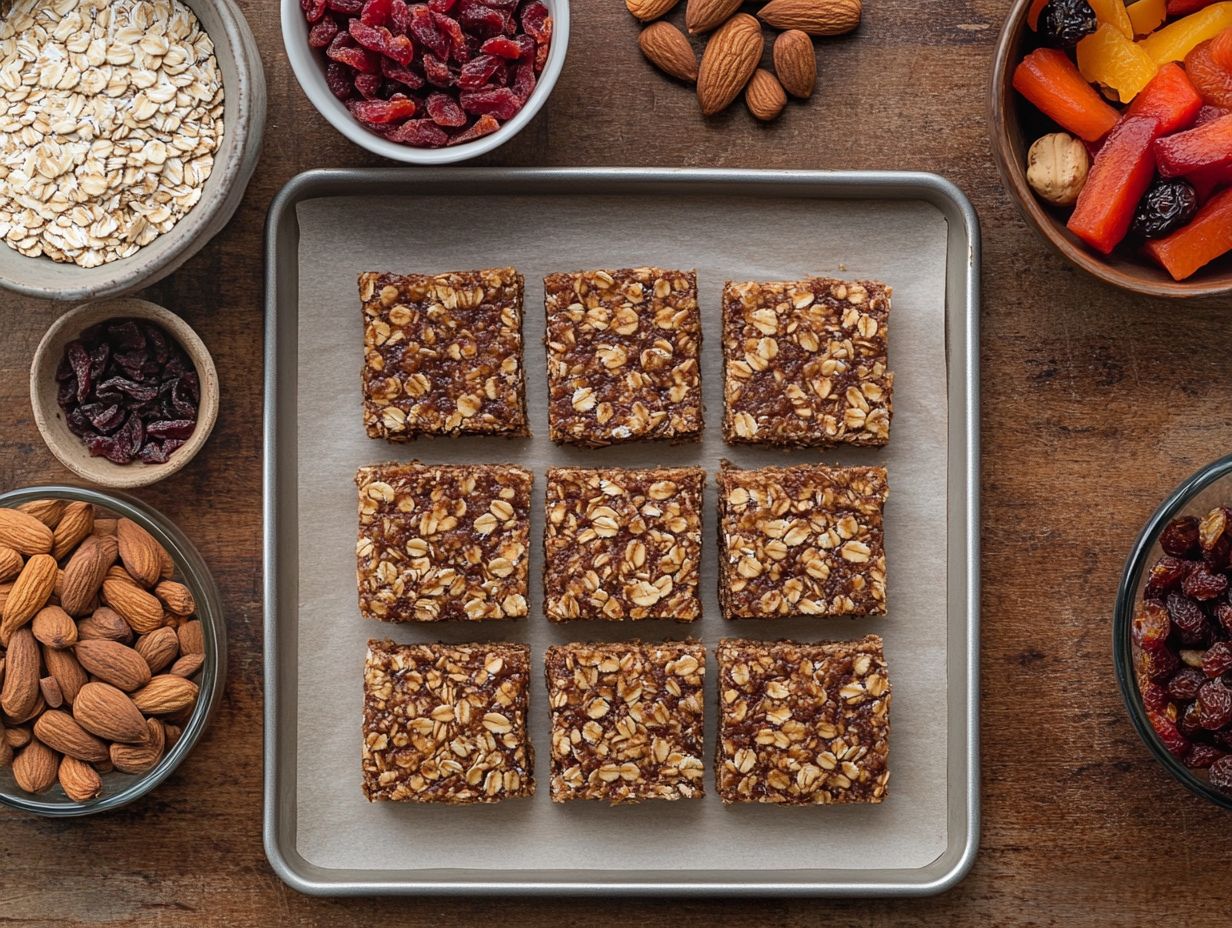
x,y
903,243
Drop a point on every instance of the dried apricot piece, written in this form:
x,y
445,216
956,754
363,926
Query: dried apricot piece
x,y
1212,79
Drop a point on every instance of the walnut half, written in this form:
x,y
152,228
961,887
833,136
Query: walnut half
x,y
1057,167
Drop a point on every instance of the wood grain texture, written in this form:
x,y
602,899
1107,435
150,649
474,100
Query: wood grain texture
x,y
1095,404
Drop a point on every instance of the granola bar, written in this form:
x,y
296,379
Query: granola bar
x,y
803,540
443,354
803,724
623,356
443,542
623,544
626,720
804,363
446,723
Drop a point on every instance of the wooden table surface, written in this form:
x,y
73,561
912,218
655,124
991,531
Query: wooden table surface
x,y
1095,404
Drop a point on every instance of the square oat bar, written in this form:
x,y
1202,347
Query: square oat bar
x,y
623,544
443,354
803,724
626,720
623,352
804,363
446,723
440,542
803,540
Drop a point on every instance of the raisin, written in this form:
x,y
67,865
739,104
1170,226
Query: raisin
x,y
313,10
536,22
425,32
502,47
1188,619
1223,612
1202,755
501,102
320,35
382,112
1218,659
1190,722
1164,208
1175,742
1151,626
1219,556
1221,774
444,110
1185,683
484,125
1156,665
1164,575
1202,584
1180,537
1214,705
423,133
375,12
1064,23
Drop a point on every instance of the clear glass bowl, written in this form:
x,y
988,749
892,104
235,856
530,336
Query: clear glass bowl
x,y
119,789
1209,487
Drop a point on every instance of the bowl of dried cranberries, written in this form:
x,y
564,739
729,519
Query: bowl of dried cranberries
x,y
1172,636
428,82
124,392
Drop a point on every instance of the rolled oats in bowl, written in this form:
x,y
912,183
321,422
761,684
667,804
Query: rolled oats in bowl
x,y
112,114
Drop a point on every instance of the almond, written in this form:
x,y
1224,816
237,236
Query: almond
x,y
6,749
79,780
113,663
816,17
187,665
646,10
159,648
166,565
139,552
728,62
61,732
84,573
795,63
20,693
104,623
69,675
172,734
178,598
76,523
54,627
703,15
765,96
24,533
165,694
109,713
140,758
35,766
192,637
669,51
11,563
51,692
30,593
47,511
17,736
104,526
138,608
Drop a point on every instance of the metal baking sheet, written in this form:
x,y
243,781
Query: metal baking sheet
x,y
914,230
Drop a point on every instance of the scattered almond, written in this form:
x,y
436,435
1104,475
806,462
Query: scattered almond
x,y
76,523
79,780
159,648
54,627
35,767
176,597
765,96
192,637
84,573
20,693
165,694
24,533
795,63
6,749
139,552
141,758
47,511
728,62
816,17
109,713
141,610
30,593
104,623
70,676
113,663
61,732
703,15
668,50
105,526
646,10
188,665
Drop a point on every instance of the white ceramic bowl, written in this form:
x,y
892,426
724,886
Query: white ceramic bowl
x,y
243,125
307,64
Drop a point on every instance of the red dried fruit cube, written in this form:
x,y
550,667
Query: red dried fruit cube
x,y
1175,742
382,112
376,12
320,35
444,111
500,102
391,71
313,10
484,125
425,32
1218,659
421,133
369,85
502,47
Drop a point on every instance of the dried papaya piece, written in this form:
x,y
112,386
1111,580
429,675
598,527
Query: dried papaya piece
x,y
1107,57
1176,40
1207,237
1147,15
1112,12
1048,79
1171,98
1207,146
1119,176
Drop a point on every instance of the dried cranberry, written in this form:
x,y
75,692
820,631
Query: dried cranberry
x,y
484,125
444,110
537,22
524,82
399,17
360,59
313,9
423,133
436,71
320,35
502,47
375,12
1180,537
1221,774
381,112
1202,755
441,6
453,31
501,102
1164,575
1175,742
476,72
426,33
401,75
482,19
347,7
1185,683
369,87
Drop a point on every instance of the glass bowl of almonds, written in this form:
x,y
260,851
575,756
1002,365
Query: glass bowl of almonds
x,y
112,649
1172,633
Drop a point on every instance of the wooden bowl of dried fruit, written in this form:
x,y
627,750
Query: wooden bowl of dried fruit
x,y
1112,129
123,392
114,649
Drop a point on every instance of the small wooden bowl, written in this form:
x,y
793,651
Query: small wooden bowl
x,y
1014,125
71,450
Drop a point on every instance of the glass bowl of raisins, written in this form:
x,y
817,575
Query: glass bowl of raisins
x,y
1172,633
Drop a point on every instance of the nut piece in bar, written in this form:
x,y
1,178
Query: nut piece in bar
x,y
443,354
447,723
803,724
440,542
804,363
803,540
626,720
623,351
623,544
